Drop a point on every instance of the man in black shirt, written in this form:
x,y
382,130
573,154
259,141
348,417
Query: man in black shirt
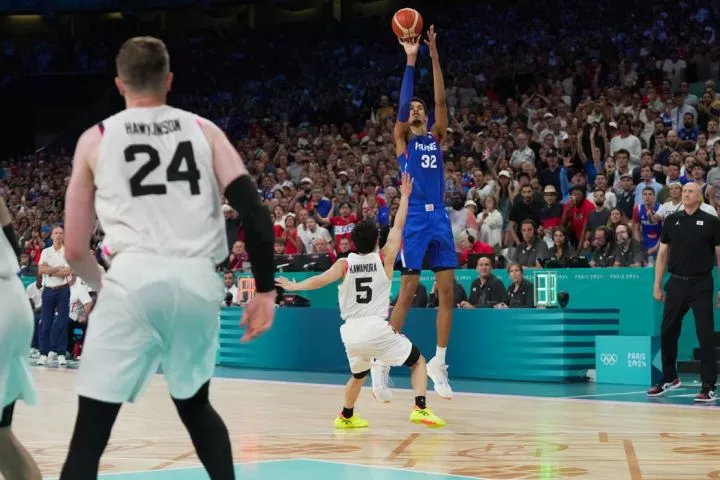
x,y
526,208
690,245
487,290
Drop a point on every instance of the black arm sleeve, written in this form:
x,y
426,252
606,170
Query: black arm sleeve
x,y
259,236
12,238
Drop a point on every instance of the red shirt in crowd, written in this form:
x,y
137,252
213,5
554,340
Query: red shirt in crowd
x,y
578,216
342,227
479,248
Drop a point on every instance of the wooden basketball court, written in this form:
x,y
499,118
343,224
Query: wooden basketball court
x,y
283,430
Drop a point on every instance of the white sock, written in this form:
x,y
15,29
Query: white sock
x,y
440,354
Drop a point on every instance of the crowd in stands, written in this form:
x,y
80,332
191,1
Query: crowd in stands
x,y
573,126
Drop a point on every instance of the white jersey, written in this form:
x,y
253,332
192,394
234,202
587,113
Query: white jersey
x,y
156,188
365,291
9,266
79,297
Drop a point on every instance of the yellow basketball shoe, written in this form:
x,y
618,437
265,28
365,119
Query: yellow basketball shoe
x,y
352,422
426,417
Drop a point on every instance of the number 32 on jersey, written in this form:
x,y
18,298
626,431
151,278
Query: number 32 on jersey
x,y
428,161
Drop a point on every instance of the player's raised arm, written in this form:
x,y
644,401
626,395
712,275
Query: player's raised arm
x,y
242,195
402,124
80,210
439,128
334,273
394,240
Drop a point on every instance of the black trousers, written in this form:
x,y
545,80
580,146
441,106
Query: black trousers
x,y
682,294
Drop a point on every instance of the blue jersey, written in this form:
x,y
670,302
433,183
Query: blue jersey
x,y
423,160
650,231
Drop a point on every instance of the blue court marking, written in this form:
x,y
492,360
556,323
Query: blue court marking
x,y
291,470
580,391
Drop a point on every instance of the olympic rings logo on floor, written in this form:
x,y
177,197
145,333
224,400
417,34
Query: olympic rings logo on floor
x,y
608,358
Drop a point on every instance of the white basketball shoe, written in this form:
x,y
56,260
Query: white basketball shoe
x,y
437,372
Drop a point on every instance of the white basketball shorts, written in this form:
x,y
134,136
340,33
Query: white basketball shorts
x,y
373,337
152,311
16,330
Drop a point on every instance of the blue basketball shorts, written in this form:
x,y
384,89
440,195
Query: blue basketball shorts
x,y
427,238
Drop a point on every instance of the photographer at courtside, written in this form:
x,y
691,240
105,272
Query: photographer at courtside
x,y
690,246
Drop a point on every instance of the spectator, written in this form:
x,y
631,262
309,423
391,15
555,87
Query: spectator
x,y
27,268
647,225
309,232
597,218
238,256
521,292
531,249
420,300
626,195
525,209
323,246
459,295
344,249
550,213
80,306
468,246
603,248
647,181
487,290
626,142
576,212
628,252
230,296
561,250
290,235
55,299
490,223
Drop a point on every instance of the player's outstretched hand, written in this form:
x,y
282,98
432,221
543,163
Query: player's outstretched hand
x,y
258,316
411,45
406,185
430,42
289,285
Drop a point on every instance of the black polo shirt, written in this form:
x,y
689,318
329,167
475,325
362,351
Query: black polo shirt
x,y
691,241
522,211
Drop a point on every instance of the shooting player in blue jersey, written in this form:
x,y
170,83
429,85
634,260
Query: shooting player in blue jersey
x,y
428,234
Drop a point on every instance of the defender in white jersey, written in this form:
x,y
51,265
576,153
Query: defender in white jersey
x,y
16,330
364,298
154,175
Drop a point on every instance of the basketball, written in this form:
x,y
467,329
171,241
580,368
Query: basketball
x,y
407,23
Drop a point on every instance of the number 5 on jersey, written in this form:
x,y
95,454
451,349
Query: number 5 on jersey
x,y
364,292
183,154
428,161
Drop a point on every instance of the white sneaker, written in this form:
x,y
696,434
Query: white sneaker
x,y
380,374
438,374
34,353
61,361
42,360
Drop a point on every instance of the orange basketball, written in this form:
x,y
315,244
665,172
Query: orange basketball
x,y
407,23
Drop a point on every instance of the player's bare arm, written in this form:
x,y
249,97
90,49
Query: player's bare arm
x,y
394,240
402,124
660,264
80,210
241,193
439,128
7,227
333,274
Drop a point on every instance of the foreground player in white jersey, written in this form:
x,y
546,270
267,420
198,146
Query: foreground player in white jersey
x,y
364,297
154,175
16,330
